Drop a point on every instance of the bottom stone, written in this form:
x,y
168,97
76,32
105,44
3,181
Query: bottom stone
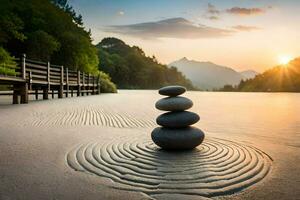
x,y
176,139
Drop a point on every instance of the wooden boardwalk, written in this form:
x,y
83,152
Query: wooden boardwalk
x,y
34,77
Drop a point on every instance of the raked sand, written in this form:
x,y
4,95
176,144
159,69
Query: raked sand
x,y
99,147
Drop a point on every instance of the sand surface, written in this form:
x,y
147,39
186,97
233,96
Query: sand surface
x,y
99,147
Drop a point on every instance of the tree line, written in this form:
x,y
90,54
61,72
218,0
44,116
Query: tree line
x,y
51,30
282,78
130,68
48,30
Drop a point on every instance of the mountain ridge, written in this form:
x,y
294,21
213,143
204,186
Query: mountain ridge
x,y
207,75
249,74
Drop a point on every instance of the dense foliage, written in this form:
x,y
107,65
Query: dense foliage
x,y
7,64
106,85
129,67
282,78
47,30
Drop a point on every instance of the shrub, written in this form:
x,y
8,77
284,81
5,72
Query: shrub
x,y
106,85
7,64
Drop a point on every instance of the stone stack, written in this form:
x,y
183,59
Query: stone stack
x,y
176,132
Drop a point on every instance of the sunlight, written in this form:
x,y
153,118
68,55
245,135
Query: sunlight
x,y
284,59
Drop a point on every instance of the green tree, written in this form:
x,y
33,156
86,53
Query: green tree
x,y
129,67
47,30
10,27
41,45
60,3
228,88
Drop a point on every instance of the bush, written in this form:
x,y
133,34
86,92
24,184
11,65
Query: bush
x,y
7,64
106,85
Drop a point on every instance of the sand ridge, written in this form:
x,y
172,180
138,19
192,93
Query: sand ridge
x,y
86,116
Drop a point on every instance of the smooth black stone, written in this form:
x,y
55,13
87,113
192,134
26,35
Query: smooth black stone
x,y
174,104
172,91
177,119
177,139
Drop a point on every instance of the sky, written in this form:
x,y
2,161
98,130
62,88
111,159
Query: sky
x,y
241,34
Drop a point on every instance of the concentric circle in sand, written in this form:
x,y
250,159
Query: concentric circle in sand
x,y
216,167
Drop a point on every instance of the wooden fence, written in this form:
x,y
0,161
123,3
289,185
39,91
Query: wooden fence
x,y
34,77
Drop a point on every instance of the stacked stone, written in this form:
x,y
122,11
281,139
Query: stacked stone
x,y
176,132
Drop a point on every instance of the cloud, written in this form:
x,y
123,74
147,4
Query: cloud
x,y
213,17
245,11
212,12
121,13
169,28
211,9
245,28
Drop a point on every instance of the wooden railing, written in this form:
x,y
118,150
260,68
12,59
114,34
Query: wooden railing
x,y
31,77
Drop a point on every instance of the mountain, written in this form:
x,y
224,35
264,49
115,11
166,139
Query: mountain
x,y
130,68
248,74
207,75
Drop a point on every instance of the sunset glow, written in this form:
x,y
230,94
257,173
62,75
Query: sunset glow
x,y
238,34
284,59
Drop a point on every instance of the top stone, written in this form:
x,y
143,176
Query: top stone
x,y
172,91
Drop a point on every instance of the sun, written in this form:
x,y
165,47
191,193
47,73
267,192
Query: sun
x,y
284,59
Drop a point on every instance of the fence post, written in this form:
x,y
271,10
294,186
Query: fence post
x,y
16,93
23,65
36,94
78,83
88,84
30,84
83,83
67,82
48,75
61,86
30,80
24,87
98,85
46,89
93,89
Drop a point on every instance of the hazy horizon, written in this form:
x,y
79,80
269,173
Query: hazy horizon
x,y
241,34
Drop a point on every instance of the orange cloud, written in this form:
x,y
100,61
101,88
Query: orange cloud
x,y
169,28
245,11
245,28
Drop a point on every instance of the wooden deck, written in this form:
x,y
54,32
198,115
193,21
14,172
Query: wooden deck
x,y
34,77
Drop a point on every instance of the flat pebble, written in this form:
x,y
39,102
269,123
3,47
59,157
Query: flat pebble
x,y
177,119
172,91
174,104
177,139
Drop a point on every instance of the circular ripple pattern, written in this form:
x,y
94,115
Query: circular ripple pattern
x,y
216,167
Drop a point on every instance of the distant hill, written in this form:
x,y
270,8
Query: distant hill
x,y
207,75
248,74
130,68
282,78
